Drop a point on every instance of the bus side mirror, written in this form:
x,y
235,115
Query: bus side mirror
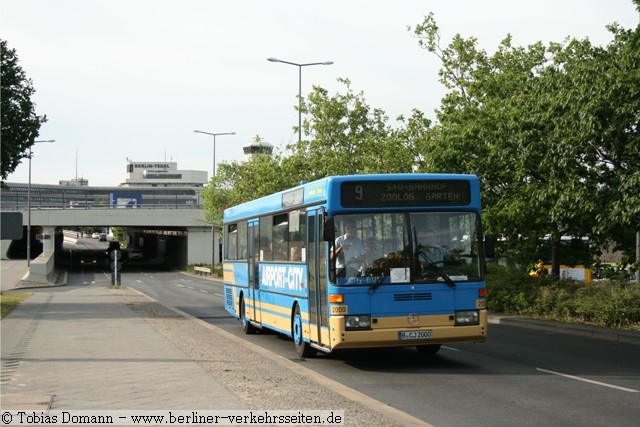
x,y
489,246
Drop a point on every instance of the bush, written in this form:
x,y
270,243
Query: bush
x,y
509,291
610,303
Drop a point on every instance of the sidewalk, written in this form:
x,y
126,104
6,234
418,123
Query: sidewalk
x,y
88,347
82,347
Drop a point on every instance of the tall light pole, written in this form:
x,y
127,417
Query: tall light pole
x,y
213,234
214,144
29,203
308,64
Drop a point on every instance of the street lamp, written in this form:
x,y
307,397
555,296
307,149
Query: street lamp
x,y
214,144
29,203
213,234
300,86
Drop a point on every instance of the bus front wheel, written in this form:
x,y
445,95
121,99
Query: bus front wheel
x,y
302,348
247,327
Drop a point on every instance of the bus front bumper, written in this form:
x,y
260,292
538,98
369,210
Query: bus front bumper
x,y
397,332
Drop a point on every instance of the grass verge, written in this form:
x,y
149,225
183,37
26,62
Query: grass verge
x,y
11,300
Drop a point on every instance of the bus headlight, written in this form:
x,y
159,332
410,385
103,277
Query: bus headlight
x,y
362,321
467,317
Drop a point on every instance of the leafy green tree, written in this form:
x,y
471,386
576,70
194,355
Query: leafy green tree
x,y
538,126
20,124
606,90
239,182
480,130
346,135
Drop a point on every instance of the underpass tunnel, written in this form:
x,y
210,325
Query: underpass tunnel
x,y
158,247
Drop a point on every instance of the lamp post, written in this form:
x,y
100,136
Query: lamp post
x,y
308,64
213,234
29,203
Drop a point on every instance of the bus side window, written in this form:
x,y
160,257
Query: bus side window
x,y
280,237
231,242
242,240
266,228
297,235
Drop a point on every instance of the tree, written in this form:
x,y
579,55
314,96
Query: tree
x,y
20,124
239,182
539,126
346,135
608,139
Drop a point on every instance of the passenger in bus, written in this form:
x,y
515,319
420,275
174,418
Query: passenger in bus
x,y
295,254
348,247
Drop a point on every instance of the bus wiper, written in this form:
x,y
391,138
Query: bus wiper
x,y
438,269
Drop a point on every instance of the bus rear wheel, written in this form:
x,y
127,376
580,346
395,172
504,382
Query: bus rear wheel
x,y
303,349
247,327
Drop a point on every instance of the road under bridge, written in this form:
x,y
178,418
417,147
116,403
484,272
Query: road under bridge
x,y
176,236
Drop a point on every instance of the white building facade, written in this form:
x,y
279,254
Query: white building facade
x,y
162,174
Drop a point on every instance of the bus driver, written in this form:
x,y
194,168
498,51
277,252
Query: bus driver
x,y
348,248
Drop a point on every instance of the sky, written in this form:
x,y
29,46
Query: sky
x,y
132,79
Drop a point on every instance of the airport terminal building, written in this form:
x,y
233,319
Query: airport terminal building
x,y
152,183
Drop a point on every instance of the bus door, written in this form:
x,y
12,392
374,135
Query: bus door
x,y
318,307
253,297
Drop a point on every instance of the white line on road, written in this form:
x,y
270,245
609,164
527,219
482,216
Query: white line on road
x,y
573,377
139,281
203,290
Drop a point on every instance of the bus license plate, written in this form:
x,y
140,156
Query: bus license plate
x,y
414,335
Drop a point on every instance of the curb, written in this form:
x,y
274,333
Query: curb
x,y
366,401
590,331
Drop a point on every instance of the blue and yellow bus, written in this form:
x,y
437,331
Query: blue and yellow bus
x,y
360,261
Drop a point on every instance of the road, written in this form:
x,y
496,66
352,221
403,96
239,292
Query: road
x,y
520,376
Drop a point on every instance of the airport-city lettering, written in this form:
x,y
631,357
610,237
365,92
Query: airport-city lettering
x,y
282,277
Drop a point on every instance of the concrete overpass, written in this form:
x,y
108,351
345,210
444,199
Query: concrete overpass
x,y
183,234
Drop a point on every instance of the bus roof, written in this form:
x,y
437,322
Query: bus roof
x,y
328,190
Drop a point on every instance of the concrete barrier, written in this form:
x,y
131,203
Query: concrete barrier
x,y
42,269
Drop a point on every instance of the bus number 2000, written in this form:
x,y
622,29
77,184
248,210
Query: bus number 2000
x,y
339,309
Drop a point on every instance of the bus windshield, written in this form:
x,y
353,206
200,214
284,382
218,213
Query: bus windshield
x,y
389,248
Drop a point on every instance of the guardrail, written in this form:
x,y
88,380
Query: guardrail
x,y
203,270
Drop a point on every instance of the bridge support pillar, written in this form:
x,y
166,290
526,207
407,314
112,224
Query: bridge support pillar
x,y
199,245
48,238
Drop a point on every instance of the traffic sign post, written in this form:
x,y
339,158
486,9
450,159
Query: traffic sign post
x,y
116,266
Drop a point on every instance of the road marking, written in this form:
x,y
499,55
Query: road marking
x,y
203,290
218,295
444,346
573,377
